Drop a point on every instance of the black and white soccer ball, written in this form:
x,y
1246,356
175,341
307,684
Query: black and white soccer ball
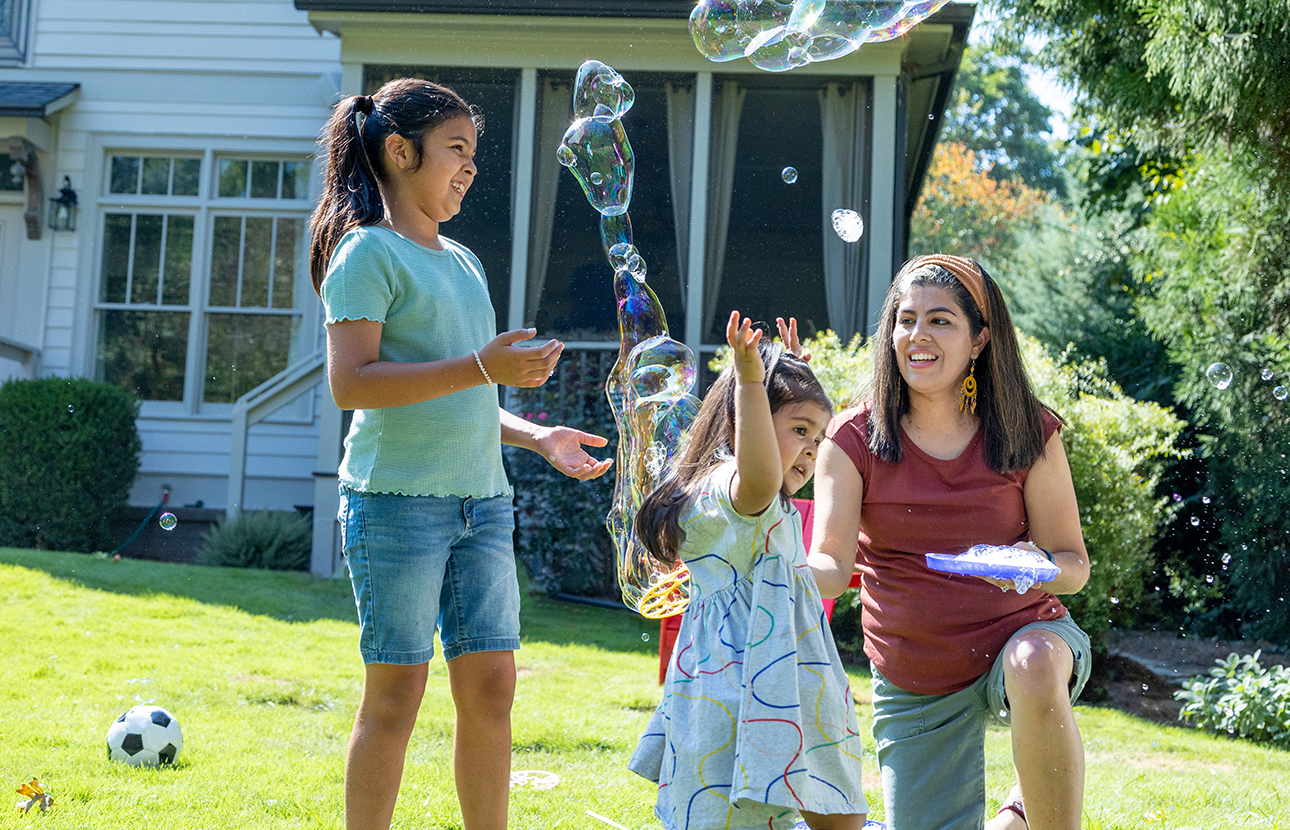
x,y
145,736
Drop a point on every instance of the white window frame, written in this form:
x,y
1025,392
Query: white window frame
x,y
204,207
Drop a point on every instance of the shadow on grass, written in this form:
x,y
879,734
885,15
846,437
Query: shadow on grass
x,y
297,597
300,597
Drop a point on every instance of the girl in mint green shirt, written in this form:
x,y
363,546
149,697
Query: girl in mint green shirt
x,y
411,348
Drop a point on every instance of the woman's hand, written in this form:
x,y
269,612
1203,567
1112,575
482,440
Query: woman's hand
x,y
511,365
788,333
1006,585
562,447
743,340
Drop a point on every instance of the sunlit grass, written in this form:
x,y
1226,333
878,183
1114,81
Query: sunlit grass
x,y
262,671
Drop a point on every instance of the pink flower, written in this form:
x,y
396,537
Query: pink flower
x,y
541,416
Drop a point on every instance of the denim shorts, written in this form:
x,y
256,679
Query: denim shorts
x,y
424,563
931,748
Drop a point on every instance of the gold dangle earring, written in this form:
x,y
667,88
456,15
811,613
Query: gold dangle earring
x,y
967,397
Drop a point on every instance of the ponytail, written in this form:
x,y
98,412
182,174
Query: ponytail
x,y
355,146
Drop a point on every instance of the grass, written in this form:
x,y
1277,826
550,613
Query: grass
x,y
262,671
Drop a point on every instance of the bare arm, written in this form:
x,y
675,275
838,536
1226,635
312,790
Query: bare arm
x,y
359,379
839,489
759,474
559,445
1053,514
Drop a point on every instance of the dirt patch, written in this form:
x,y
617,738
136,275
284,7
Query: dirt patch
x,y
1144,668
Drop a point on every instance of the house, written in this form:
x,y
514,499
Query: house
x,y
186,132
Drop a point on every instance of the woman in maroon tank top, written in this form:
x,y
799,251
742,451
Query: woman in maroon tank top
x,y
953,449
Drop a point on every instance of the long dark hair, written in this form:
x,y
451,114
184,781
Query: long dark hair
x,y
1011,416
711,442
355,145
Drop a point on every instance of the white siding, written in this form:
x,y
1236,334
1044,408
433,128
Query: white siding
x,y
248,76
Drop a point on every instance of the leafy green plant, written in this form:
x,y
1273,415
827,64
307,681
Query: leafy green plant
x,y
259,539
1242,698
560,522
70,453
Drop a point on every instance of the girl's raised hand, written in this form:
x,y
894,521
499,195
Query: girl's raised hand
x,y
743,340
788,333
511,365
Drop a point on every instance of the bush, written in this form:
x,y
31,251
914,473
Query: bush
x,y
70,453
1241,698
560,522
259,539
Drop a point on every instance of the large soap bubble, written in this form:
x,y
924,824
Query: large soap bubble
x,y
598,90
596,151
777,36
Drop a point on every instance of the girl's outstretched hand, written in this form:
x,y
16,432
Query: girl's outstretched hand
x,y
788,333
511,365
562,446
743,340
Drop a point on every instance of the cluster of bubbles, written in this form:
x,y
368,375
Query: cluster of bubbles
x,y
776,35
1220,375
649,386
847,224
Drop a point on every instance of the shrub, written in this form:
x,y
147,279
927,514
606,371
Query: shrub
x,y
70,453
560,522
259,539
1242,698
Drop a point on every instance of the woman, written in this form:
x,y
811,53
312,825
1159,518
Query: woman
x,y
953,449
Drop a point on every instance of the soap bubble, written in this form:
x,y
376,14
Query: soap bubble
x,y
70,409
615,230
142,689
1205,499
598,90
789,175
644,638
167,521
1279,393
598,154
636,267
661,370
848,225
1266,374
1195,521
777,35
620,253
1219,374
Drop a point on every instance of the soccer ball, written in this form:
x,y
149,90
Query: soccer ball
x,y
145,736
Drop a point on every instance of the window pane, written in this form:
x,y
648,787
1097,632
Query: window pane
x,y
125,175
255,263
147,258
285,255
187,173
295,180
264,180
243,351
116,257
144,352
156,176
232,178
226,243
179,260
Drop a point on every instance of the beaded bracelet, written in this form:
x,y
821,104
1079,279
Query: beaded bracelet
x,y
480,364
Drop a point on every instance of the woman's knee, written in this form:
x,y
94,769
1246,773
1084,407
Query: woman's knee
x,y
1039,664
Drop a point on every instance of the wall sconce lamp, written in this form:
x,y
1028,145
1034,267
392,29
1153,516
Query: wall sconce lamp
x,y
62,208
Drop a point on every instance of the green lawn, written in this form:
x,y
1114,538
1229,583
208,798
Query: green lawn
x,y
262,671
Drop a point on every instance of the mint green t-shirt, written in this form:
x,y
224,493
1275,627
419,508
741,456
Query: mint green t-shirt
x,y
433,305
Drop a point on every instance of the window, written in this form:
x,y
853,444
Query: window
x,y
201,297
13,29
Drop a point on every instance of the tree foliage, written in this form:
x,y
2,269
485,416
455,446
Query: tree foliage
x,y
994,113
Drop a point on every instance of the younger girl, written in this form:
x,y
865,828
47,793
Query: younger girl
x,y
425,510
756,723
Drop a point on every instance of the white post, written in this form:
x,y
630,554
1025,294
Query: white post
x,y
522,207
882,196
325,559
694,322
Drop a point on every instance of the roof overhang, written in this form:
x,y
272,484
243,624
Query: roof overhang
x,y
530,8
35,99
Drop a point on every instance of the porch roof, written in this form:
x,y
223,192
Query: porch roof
x,y
34,99
679,9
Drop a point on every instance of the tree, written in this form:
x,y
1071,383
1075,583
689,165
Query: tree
x,y
994,113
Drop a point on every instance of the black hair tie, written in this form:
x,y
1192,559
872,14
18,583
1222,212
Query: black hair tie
x,y
363,104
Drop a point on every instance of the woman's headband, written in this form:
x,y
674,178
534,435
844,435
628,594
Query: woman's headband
x,y
965,271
